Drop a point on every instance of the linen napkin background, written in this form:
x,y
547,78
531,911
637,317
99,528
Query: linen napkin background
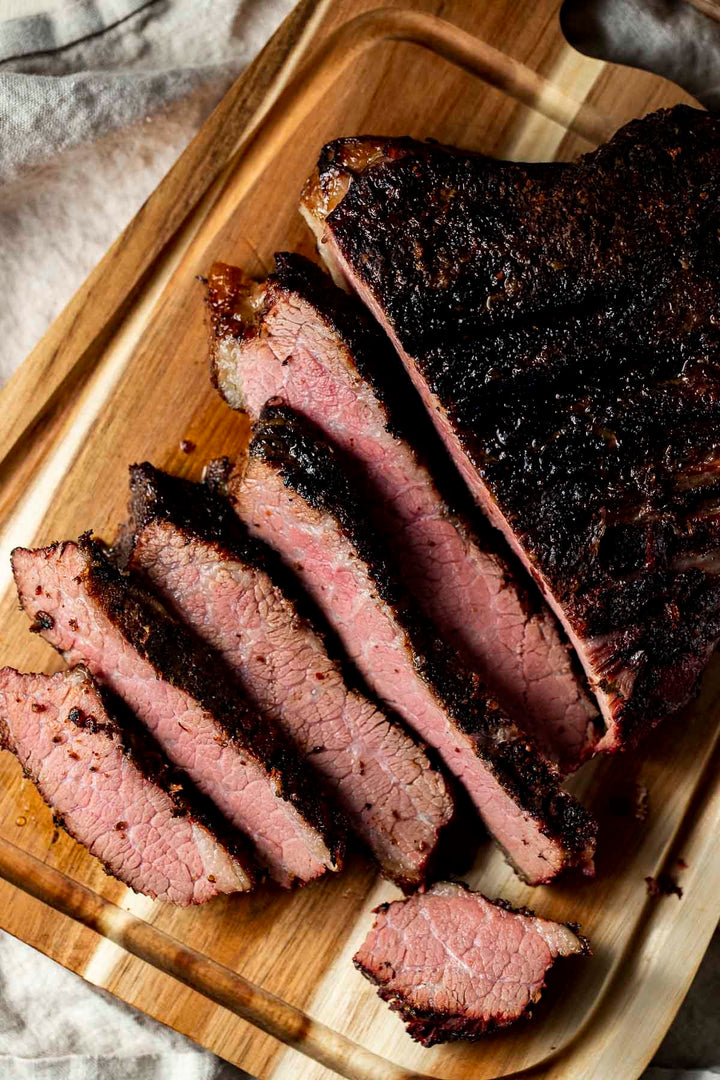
x,y
97,100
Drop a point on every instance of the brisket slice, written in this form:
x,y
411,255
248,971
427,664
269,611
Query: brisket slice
x,y
82,604
294,495
299,339
456,965
591,440
114,792
450,243
190,545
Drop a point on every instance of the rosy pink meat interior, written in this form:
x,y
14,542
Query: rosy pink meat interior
x,y
455,965
54,586
58,728
299,339
397,803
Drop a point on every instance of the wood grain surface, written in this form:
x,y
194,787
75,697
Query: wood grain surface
x,y
266,979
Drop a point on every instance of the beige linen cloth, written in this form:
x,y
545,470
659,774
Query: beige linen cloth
x,y
97,99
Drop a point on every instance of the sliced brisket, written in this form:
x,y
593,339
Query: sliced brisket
x,y
590,436
455,965
93,614
299,339
114,792
293,494
191,546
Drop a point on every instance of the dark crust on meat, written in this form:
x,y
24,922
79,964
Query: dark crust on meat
x,y
630,397
493,242
185,662
369,348
309,467
429,1027
378,365
196,509
626,390
136,743
204,514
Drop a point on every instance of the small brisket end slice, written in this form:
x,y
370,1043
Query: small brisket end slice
x,y
455,965
112,792
587,434
191,546
81,603
299,339
294,495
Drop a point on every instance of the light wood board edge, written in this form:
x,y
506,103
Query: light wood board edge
x,y
75,341
216,982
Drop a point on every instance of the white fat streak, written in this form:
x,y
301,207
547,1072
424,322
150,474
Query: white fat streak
x,y
106,956
538,138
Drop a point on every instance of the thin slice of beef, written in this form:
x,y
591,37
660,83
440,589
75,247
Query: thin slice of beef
x,y
114,792
93,614
292,493
190,545
456,965
588,437
299,339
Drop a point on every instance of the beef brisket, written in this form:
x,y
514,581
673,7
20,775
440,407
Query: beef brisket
x,y
293,494
190,545
297,338
449,243
114,792
455,965
587,433
93,614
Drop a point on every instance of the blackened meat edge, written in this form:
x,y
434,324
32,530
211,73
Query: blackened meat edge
x,y
297,338
474,723
456,965
176,670
233,591
585,429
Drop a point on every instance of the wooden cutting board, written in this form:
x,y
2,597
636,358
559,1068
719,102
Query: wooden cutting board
x,y
122,376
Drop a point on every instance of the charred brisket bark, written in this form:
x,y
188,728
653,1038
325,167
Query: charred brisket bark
x,y
295,495
190,545
586,427
82,604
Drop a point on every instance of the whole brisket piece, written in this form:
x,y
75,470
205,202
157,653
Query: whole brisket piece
x,y
447,242
93,614
299,339
190,545
456,965
114,792
587,426
293,493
